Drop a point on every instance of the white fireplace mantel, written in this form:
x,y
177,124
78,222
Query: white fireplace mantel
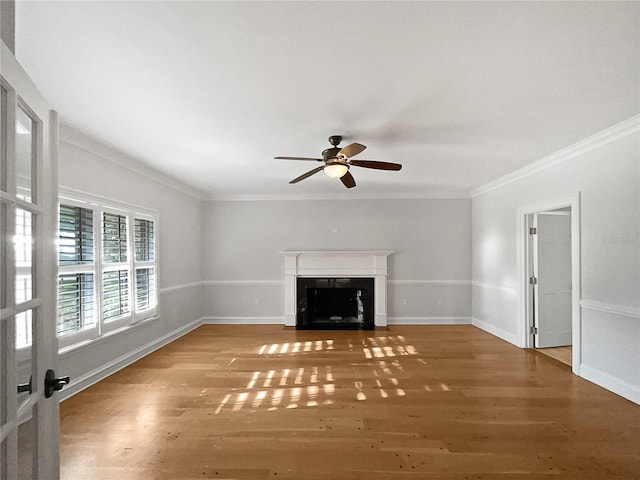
x,y
336,264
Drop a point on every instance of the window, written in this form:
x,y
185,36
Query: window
x,y
106,274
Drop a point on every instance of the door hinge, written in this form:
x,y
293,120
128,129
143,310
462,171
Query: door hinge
x,y
533,281
533,231
533,330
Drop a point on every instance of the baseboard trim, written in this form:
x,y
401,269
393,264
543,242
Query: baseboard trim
x,y
280,283
94,376
495,331
243,320
428,320
611,383
390,320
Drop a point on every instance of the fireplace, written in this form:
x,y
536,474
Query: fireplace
x,y
336,266
335,304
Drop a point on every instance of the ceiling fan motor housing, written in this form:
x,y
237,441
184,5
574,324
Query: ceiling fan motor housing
x,y
331,153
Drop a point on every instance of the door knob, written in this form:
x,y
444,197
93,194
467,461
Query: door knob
x,y
26,387
53,384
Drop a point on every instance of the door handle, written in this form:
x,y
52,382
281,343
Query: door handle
x,y
53,384
26,387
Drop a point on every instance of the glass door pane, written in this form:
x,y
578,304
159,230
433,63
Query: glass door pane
x,y
23,241
24,355
25,153
3,138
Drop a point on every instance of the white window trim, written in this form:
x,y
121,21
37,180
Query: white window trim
x,y
103,328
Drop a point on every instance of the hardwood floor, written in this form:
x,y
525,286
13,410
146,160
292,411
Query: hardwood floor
x,y
562,354
414,402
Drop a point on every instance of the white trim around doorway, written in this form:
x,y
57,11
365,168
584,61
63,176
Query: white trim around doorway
x,y
523,222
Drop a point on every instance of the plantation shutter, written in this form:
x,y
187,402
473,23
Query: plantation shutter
x,y
76,235
115,294
114,238
145,287
76,302
144,243
144,240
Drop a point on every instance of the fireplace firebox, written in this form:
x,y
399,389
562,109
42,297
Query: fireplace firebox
x,y
335,303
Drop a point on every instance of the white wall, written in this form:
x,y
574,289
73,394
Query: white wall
x,y
91,167
606,172
430,269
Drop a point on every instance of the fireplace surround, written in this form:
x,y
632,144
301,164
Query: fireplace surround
x,y
337,264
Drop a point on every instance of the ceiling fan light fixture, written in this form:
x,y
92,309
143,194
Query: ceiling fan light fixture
x,y
336,170
338,161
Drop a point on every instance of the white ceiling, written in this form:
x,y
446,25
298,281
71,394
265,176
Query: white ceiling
x,y
459,93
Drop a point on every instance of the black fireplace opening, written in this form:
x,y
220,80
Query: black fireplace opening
x,y
335,304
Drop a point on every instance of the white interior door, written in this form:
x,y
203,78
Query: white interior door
x,y
552,268
29,434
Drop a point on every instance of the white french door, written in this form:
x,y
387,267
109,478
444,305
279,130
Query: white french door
x,y
29,419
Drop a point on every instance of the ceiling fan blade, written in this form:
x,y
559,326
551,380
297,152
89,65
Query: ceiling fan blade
x,y
352,150
376,165
299,158
308,174
348,180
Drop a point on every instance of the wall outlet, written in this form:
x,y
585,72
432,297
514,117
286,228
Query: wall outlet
x,y
404,301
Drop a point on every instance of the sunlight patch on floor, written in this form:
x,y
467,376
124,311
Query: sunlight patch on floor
x,y
315,386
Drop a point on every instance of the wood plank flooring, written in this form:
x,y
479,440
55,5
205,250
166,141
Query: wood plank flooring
x,y
562,354
412,402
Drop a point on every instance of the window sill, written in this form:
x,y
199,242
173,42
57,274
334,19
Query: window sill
x,y
106,336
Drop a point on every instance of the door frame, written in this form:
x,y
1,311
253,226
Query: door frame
x,y
525,255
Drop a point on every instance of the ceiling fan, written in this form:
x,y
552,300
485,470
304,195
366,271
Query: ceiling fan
x,y
337,162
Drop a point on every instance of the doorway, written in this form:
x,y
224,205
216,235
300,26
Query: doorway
x,y
550,280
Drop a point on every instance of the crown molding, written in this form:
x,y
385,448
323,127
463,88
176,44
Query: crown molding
x,y
601,138
81,140
454,195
